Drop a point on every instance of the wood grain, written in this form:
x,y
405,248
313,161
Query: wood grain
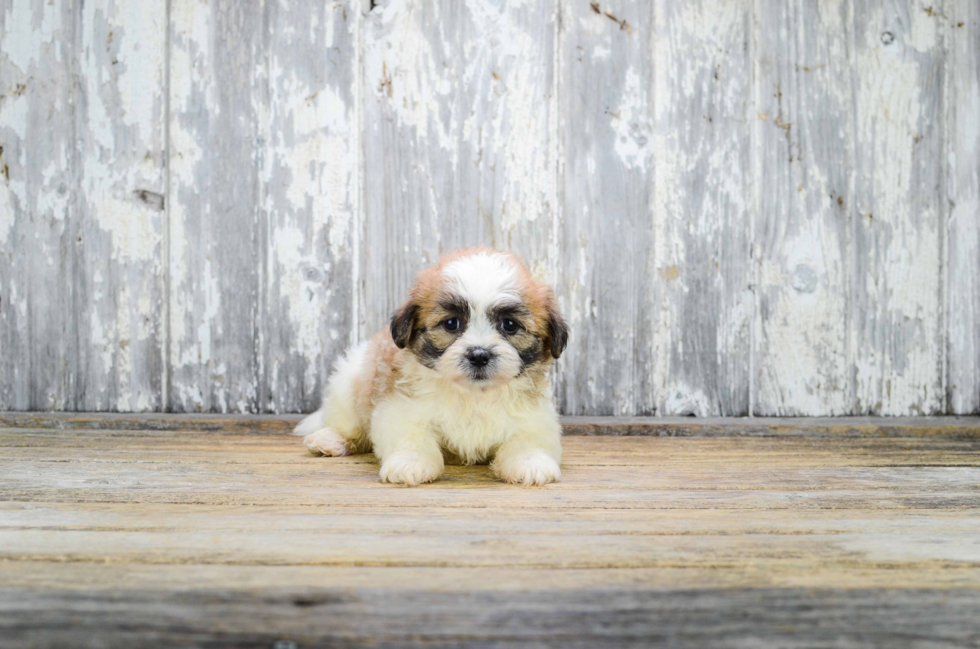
x,y
181,537
84,580
118,277
309,184
702,324
39,228
963,194
607,181
583,619
896,217
953,427
216,71
805,133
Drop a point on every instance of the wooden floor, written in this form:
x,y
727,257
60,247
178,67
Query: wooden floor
x,y
197,538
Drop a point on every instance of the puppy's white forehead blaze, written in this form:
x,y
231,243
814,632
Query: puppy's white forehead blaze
x,y
483,280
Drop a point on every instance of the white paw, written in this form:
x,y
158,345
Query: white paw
x,y
409,469
529,469
326,441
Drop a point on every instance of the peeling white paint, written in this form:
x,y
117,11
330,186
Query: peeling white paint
x,y
119,140
805,129
412,74
923,31
681,400
513,103
309,176
135,232
54,203
23,47
195,294
301,289
897,368
474,115
212,302
7,213
700,210
962,100
15,112
629,122
34,82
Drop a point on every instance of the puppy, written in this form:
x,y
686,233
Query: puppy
x,y
460,374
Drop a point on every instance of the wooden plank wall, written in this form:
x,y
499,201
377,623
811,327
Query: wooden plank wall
x,y
767,208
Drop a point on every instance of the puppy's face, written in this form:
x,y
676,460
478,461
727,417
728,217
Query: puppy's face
x,y
480,320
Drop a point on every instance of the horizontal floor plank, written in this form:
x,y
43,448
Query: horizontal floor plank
x,y
897,499
939,546
581,618
321,475
87,576
614,426
470,520
175,446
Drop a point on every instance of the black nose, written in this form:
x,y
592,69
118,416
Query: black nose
x,y
477,356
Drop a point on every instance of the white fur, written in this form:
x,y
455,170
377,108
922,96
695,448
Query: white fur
x,y
337,409
507,418
483,279
474,425
327,441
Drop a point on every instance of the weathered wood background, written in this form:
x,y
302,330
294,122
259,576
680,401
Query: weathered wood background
x,y
767,207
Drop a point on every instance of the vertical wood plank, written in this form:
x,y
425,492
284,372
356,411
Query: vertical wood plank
x,y
119,272
309,180
409,141
458,149
607,181
38,351
805,134
701,145
217,71
963,194
897,333
505,190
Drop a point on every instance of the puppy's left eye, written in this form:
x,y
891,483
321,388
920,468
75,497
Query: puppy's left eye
x,y
509,326
452,324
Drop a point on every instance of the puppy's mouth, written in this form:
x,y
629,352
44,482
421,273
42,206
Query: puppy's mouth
x,y
480,376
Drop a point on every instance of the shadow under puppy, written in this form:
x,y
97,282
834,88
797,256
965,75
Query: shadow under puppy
x,y
462,372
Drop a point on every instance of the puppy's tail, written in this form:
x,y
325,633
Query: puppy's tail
x,y
310,424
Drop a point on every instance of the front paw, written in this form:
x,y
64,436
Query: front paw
x,y
326,441
409,469
529,469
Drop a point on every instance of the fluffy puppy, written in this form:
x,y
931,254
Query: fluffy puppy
x,y
461,374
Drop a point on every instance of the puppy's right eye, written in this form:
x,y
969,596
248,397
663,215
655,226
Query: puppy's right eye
x,y
451,325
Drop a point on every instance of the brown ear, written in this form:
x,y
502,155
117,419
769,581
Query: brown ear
x,y
557,330
403,324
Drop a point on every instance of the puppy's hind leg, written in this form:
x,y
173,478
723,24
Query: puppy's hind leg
x,y
327,441
335,430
